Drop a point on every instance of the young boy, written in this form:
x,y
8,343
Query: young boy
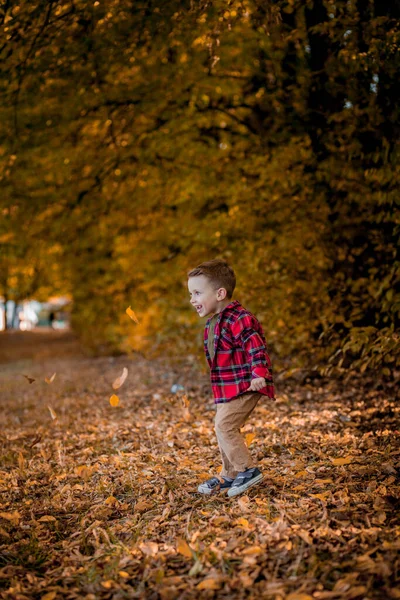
x,y
240,368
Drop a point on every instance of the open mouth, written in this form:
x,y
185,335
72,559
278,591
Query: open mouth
x,y
199,308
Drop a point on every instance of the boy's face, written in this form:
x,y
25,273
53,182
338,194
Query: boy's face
x,y
204,297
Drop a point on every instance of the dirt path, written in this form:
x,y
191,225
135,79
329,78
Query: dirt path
x,y
101,502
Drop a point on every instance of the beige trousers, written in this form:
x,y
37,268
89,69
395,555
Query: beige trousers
x,y
229,418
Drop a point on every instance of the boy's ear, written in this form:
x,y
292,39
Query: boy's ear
x,y
221,293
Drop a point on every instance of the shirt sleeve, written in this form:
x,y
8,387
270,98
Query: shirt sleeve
x,y
248,338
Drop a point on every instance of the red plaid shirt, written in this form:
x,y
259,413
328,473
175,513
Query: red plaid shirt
x,y
240,354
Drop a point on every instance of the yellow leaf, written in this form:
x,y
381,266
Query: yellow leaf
x,y
323,496
183,548
209,584
131,314
299,596
250,437
111,500
253,550
47,519
243,522
14,516
107,584
52,412
114,400
149,548
123,574
121,379
49,596
341,461
51,379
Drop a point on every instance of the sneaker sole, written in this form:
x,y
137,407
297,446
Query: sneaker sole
x,y
235,491
209,492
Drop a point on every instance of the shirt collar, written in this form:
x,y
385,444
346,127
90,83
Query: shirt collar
x,y
228,306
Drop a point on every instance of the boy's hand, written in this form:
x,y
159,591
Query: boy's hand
x,y
257,384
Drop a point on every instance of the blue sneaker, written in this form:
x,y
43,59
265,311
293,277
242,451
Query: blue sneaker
x,y
214,485
244,480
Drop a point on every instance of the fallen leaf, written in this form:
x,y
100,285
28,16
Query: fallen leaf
x,y
47,519
132,315
305,536
49,596
111,501
299,596
14,517
107,584
4,533
114,400
30,379
183,548
121,379
341,461
243,522
52,412
149,548
209,584
244,502
253,551
123,574
51,379
143,505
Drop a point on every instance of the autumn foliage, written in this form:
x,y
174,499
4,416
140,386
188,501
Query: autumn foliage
x,y
138,141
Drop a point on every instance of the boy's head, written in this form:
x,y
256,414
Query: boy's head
x,y
211,286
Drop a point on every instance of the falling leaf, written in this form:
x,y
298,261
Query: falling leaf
x,y
149,548
121,379
51,379
114,400
21,461
52,412
249,437
183,548
131,314
30,379
341,461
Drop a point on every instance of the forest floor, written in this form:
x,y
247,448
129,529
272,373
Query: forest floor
x,y
100,501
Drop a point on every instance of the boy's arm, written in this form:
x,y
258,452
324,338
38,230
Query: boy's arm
x,y
250,340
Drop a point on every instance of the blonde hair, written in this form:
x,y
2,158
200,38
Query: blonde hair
x,y
218,272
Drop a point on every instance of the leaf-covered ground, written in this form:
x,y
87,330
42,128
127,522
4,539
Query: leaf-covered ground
x,y
100,501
